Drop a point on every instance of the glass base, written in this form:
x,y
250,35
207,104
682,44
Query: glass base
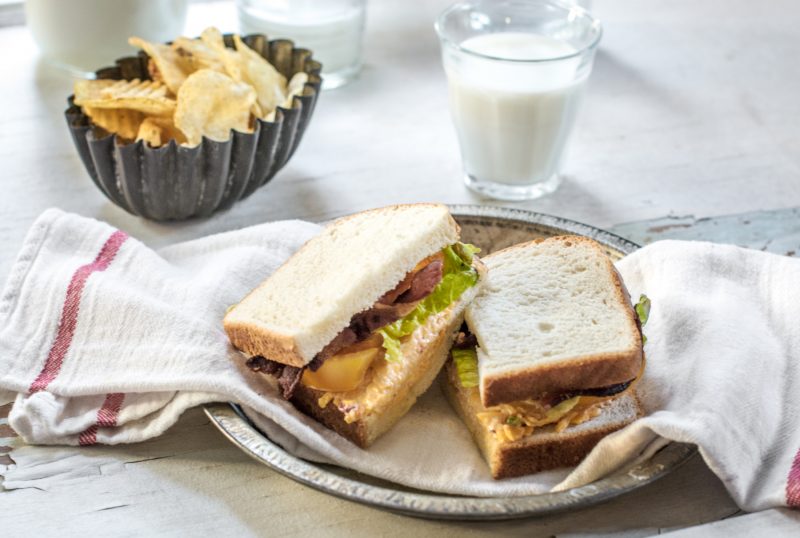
x,y
504,191
67,68
339,78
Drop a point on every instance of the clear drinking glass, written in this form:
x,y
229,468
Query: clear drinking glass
x,y
84,35
332,29
516,70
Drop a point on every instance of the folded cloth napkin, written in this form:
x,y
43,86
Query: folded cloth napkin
x,y
723,370
103,340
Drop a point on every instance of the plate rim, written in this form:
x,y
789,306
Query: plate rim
x,y
237,428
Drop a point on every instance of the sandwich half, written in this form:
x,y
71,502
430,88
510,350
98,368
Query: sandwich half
x,y
357,323
548,357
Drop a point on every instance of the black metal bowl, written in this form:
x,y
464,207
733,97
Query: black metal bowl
x,y
173,182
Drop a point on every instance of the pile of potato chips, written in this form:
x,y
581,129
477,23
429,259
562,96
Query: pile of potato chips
x,y
199,88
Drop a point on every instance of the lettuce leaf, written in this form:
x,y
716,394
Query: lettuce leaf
x,y
642,309
466,361
458,276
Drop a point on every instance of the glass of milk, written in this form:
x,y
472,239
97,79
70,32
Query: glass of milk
x,y
84,35
516,70
331,29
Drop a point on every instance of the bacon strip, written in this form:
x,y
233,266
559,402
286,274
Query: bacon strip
x,y
288,376
394,305
423,283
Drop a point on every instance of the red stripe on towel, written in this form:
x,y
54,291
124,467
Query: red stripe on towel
x,y
69,312
793,483
106,418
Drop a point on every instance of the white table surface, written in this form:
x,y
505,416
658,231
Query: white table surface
x,y
692,109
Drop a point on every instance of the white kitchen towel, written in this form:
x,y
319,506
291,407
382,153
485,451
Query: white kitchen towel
x,y
106,341
723,370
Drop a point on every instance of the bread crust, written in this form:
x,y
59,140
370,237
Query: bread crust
x,y
541,451
527,456
305,399
586,372
254,339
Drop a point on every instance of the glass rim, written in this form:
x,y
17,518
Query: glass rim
x,y
471,4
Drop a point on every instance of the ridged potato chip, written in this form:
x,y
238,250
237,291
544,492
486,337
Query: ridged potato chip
x,y
121,121
269,84
211,104
146,96
87,90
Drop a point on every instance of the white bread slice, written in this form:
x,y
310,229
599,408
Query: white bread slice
x,y
545,448
392,387
553,316
303,305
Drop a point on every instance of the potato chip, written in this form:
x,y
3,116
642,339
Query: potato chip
x,y
123,122
269,84
90,89
230,59
146,96
211,104
195,54
295,87
172,70
158,131
150,132
168,129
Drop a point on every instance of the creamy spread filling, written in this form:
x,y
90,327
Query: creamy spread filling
x,y
513,421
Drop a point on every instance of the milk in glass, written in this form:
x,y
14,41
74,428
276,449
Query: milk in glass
x,y
331,29
85,35
513,116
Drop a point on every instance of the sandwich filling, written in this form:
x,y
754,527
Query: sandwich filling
x,y
377,333
513,421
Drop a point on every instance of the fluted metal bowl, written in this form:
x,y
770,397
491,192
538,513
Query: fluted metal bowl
x,y
173,182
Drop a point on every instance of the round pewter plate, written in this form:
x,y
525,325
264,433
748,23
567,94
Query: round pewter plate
x,y
490,228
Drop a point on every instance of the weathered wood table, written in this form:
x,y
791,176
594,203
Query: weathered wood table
x,y
690,129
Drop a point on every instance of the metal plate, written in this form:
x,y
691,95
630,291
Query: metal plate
x,y
490,228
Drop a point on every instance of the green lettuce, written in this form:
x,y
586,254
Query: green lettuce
x,y
642,309
458,276
466,361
